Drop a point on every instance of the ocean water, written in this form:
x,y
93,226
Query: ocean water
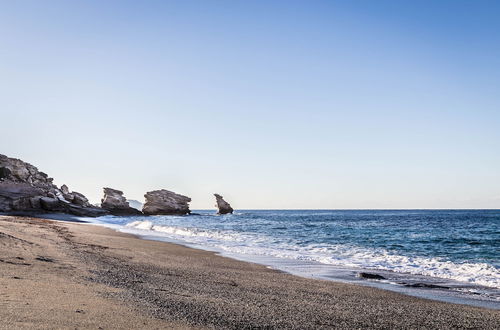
x,y
451,255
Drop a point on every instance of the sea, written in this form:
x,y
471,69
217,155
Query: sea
x,y
446,255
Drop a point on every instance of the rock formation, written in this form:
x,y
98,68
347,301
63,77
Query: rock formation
x,y
116,203
222,205
73,197
23,188
164,202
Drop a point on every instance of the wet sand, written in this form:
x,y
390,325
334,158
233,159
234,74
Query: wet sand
x,y
61,275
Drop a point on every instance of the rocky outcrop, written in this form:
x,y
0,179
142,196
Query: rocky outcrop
x,y
164,202
116,203
23,188
222,205
73,197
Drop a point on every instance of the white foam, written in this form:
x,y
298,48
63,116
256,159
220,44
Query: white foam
x,y
331,254
146,225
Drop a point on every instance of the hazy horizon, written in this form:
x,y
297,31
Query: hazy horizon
x,y
274,105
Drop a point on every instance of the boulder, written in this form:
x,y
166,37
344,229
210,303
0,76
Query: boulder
x,y
65,189
80,199
164,202
35,203
222,206
116,203
23,188
66,194
90,211
426,285
50,204
371,276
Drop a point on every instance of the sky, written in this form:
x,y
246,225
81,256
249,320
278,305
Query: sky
x,y
273,104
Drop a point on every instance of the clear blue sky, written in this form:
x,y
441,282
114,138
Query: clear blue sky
x,y
273,104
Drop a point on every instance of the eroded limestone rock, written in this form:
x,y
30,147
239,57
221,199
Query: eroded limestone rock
x,y
222,206
23,188
164,202
116,203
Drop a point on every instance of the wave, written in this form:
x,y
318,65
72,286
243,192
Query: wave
x,y
341,255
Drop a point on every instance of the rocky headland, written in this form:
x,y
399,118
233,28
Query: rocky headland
x,y
165,202
25,189
114,202
222,206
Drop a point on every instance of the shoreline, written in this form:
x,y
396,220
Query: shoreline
x,y
417,285
332,273
166,285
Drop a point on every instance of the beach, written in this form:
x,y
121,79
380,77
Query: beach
x,y
56,274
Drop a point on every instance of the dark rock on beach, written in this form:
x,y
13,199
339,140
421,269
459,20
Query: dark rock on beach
x,y
116,203
164,202
23,188
222,206
371,276
425,285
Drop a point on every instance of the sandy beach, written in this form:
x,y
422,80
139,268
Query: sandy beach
x,y
64,275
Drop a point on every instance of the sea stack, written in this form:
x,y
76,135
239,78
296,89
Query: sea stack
x,y
222,205
25,189
116,203
164,202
